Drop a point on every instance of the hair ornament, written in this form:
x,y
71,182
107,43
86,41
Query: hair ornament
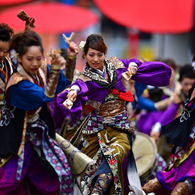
x,y
81,45
14,56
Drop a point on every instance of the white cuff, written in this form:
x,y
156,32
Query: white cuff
x,y
75,87
133,64
156,127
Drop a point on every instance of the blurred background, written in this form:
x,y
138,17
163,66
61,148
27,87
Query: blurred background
x,y
152,29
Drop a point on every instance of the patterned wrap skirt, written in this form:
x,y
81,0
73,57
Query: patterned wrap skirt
x,y
42,164
108,148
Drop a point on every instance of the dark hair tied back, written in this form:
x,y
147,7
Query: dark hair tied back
x,y
21,41
6,28
95,41
4,35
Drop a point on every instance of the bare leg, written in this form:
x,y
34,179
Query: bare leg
x,y
181,189
102,184
152,186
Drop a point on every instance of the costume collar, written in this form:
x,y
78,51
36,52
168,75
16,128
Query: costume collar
x,y
21,70
99,78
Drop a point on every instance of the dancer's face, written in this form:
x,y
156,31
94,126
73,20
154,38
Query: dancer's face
x,y
186,84
95,59
4,46
32,59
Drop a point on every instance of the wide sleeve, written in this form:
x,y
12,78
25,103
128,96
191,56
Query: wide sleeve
x,y
27,96
80,100
63,82
150,73
169,114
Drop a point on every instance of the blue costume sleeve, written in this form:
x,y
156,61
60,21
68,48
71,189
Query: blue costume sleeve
x,y
139,88
27,96
144,103
63,82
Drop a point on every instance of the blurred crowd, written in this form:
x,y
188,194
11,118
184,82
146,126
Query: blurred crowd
x,y
154,107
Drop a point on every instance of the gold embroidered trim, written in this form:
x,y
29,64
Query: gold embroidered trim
x,y
84,78
116,62
182,158
4,160
23,134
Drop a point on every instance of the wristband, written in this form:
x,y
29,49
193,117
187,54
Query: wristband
x,y
55,66
133,64
71,57
157,127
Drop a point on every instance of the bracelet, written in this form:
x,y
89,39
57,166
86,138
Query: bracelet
x,y
71,57
55,66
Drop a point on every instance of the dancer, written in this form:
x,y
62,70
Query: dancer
x,y
31,159
158,99
105,136
178,178
186,80
8,62
6,67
